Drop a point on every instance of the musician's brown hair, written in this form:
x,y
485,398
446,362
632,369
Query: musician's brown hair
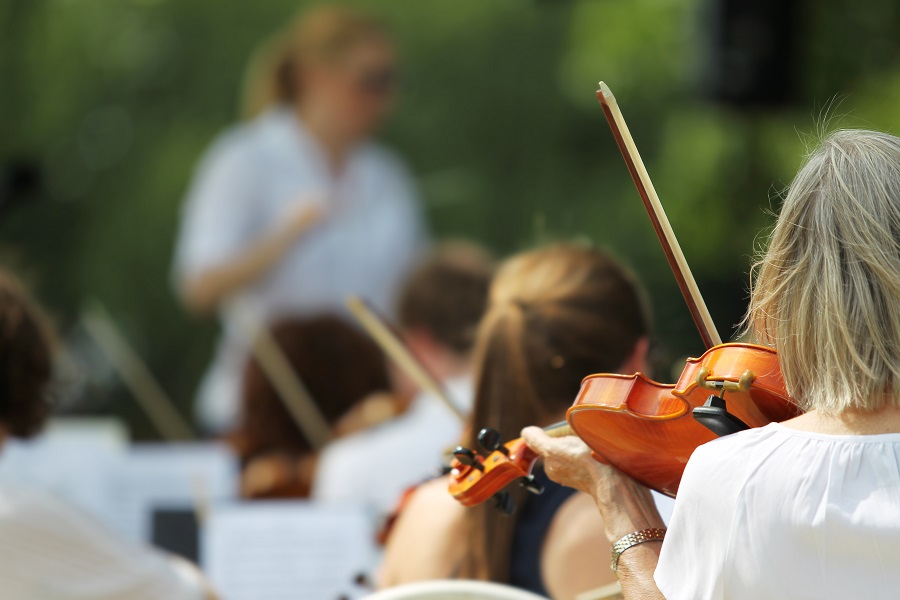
x,y
26,360
827,292
338,364
323,35
447,294
555,315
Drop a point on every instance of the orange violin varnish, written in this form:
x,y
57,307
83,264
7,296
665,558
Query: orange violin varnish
x,y
646,429
471,486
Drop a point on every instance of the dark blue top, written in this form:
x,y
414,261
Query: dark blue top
x,y
535,518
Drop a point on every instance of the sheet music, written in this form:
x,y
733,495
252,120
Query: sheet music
x,y
286,550
71,459
180,475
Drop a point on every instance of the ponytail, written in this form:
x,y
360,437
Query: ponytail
x,y
555,315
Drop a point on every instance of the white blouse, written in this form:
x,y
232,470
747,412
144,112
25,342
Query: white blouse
x,y
252,178
375,467
50,551
779,513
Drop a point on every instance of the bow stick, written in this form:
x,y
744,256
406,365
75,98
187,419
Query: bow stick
x,y
293,393
393,346
658,217
135,374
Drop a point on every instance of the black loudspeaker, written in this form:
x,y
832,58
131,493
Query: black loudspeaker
x,y
751,55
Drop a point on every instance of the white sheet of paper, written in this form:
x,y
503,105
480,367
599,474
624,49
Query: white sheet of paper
x,y
286,550
182,475
71,459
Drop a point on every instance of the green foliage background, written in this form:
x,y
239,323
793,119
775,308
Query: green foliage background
x,y
117,100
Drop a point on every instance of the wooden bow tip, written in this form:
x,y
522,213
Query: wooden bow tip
x,y
604,94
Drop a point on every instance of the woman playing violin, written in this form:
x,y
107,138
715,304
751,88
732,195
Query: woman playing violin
x,y
808,508
553,315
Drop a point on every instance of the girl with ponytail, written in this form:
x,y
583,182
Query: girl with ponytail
x,y
554,316
296,208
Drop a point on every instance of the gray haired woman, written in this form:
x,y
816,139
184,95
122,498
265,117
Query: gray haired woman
x,y
808,508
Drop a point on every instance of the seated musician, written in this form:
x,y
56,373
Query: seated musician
x,y
438,311
553,315
807,508
340,367
48,549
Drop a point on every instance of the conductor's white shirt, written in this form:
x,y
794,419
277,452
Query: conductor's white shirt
x,y
775,513
50,551
253,178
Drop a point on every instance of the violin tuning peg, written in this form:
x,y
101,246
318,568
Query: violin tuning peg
x,y
504,503
490,440
531,485
467,457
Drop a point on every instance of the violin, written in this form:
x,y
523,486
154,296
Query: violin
x,y
646,429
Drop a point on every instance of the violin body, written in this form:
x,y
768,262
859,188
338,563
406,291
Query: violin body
x,y
646,429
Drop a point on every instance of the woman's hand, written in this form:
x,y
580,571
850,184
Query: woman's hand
x,y
567,460
626,506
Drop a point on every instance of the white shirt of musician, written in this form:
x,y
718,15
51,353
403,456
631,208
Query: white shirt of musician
x,y
50,551
255,176
374,467
775,513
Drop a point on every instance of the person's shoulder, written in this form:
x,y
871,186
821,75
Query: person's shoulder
x,y
576,520
574,543
431,498
231,149
25,507
247,139
424,541
353,455
730,461
735,445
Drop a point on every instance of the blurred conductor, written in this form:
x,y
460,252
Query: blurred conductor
x,y
295,208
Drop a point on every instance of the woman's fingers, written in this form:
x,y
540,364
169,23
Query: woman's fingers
x,y
567,460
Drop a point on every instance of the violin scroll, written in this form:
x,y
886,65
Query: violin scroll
x,y
476,478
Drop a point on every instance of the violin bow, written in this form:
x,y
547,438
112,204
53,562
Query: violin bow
x,y
135,374
284,378
658,218
392,345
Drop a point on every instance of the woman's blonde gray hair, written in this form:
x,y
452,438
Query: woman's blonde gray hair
x,y
826,294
